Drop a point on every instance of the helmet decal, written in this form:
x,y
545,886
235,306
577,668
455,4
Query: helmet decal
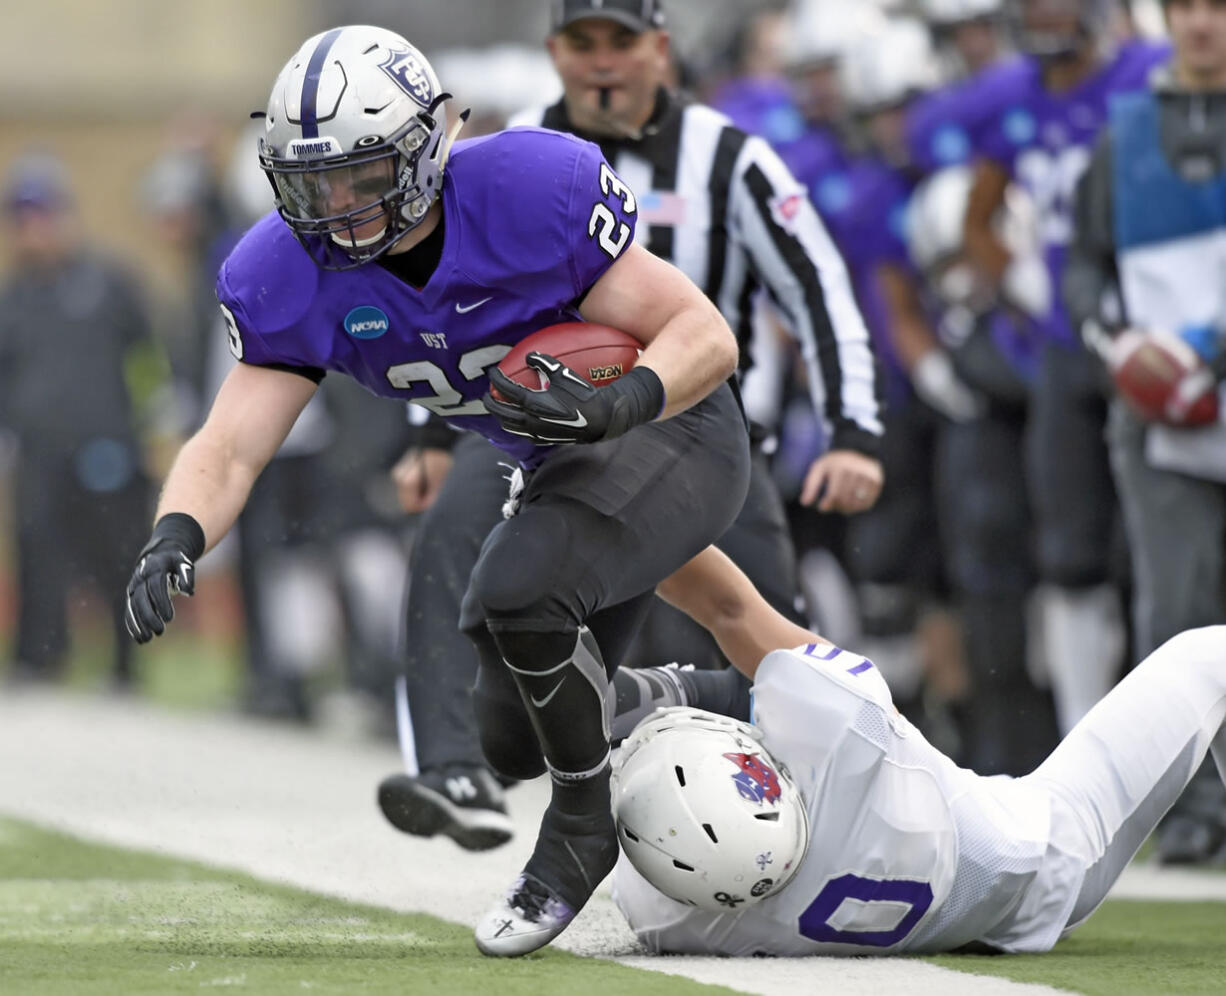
x,y
310,85
405,70
756,781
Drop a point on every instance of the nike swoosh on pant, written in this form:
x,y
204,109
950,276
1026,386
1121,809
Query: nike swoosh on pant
x,y
541,703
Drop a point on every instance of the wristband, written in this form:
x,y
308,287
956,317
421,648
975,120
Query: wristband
x,y
640,398
182,530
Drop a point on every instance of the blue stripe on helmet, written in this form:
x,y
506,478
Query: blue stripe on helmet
x,y
310,86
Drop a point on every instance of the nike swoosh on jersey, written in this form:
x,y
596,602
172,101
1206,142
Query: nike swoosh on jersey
x,y
541,703
465,309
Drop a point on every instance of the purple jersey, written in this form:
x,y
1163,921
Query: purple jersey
x,y
1044,141
764,106
533,219
944,125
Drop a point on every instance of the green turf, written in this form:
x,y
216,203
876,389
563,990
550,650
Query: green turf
x,y
1127,948
81,918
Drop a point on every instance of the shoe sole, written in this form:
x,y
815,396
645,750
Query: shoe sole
x,y
418,810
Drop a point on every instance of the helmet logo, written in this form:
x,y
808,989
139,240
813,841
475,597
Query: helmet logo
x,y
756,781
366,322
408,72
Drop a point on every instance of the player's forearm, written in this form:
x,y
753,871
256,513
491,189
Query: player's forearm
x,y
693,354
715,593
209,484
985,198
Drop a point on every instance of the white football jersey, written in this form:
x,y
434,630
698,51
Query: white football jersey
x,y
907,851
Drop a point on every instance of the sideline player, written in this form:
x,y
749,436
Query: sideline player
x,y
905,850
416,282
720,205
1049,108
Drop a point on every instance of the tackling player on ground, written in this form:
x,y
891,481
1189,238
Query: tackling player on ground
x,y
834,827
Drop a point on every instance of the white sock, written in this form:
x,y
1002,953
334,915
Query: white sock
x,y
1083,637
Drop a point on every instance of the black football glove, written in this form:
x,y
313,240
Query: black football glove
x,y
569,409
165,567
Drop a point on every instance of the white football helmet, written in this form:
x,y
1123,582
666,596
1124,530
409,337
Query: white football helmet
x,y
934,222
704,812
890,66
822,31
355,134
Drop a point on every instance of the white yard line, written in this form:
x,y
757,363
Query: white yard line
x,y
298,807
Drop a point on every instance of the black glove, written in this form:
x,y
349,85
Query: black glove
x,y
569,409
166,566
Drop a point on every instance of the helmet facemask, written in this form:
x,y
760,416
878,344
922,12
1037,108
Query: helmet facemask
x,y
355,139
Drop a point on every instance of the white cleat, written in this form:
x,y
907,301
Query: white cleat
x,y
528,918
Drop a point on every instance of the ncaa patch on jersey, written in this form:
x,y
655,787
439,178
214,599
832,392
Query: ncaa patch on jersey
x,y
366,322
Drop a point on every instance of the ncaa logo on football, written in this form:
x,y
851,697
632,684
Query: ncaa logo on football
x,y
405,69
366,322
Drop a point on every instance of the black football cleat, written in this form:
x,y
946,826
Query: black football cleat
x,y
463,802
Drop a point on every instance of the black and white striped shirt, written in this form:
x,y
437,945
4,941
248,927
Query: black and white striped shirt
x,y
721,206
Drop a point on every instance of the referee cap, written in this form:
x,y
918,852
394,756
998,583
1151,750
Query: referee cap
x,y
637,15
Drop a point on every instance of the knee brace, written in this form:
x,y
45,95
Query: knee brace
x,y
565,689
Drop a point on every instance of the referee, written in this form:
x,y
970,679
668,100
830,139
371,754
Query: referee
x,y
722,207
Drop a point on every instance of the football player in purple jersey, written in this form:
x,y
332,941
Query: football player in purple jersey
x,y
1049,116
943,125
414,267
722,206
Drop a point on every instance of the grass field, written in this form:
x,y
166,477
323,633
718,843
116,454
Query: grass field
x,y
81,918
77,918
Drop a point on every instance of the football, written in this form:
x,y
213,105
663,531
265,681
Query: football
x,y
597,353
1163,379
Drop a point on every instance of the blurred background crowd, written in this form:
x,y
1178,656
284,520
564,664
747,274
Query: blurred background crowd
x,y
993,582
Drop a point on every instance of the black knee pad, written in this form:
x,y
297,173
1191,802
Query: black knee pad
x,y
517,573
